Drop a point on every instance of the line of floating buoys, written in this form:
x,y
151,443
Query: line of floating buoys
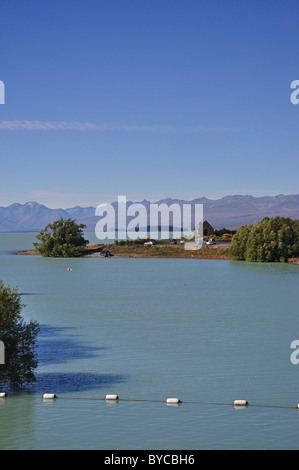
x,y
170,401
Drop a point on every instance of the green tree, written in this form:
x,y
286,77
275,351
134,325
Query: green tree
x,y
19,338
62,238
255,244
239,241
270,240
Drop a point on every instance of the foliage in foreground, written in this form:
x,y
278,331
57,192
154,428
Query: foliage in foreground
x,y
62,238
19,338
271,240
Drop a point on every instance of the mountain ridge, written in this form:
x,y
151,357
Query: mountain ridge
x,y
230,211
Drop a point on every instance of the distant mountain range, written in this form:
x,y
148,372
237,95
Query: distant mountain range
x,y
230,212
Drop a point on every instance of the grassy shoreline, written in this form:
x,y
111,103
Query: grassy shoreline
x,y
156,251
140,251
160,251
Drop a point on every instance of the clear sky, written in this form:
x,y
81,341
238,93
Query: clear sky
x,y
148,99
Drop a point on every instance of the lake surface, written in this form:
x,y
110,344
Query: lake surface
x,y
205,331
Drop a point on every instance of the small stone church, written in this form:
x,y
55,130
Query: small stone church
x,y
207,229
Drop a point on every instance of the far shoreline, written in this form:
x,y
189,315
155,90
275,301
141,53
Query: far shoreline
x,y
140,251
217,252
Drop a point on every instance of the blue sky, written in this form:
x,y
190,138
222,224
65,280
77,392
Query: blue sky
x,y
148,99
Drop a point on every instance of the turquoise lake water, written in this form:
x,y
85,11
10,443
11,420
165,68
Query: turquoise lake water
x,y
205,331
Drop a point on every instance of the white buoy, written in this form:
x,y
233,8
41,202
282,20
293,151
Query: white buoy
x,y
3,395
173,401
112,397
241,403
49,396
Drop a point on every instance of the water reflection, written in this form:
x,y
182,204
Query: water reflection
x,y
31,293
17,423
62,382
55,348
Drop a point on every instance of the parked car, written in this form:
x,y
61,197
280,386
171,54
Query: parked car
x,y
149,243
212,241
